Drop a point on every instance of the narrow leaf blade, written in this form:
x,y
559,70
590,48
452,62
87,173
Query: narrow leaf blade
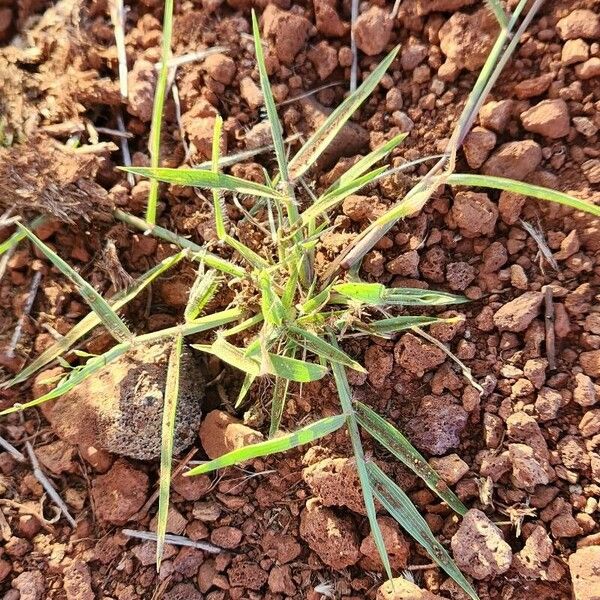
x,y
167,440
307,434
389,437
295,369
399,505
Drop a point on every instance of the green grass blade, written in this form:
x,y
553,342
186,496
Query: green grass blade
x,y
399,505
246,385
247,324
217,205
295,369
280,392
200,253
386,327
230,354
98,304
205,179
276,130
18,235
251,257
499,13
166,448
322,137
320,347
366,162
345,395
396,443
272,308
158,108
333,198
378,295
92,320
303,436
73,378
526,189
202,292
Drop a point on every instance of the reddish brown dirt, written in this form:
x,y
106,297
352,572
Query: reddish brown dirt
x,y
525,456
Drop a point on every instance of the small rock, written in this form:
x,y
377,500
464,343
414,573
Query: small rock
x,y
548,403
549,118
574,51
226,537
591,170
588,69
183,591
585,575
527,471
220,67
535,371
590,363
496,115
402,589
573,453
569,246
584,393
406,264
585,126
416,355
119,408
424,7
565,526
580,23
373,30
30,585
590,423
477,146
397,546
413,55
324,58
141,82
335,481
517,315
479,548
451,468
5,569
510,206
529,561
467,39
514,159
536,86
57,457
459,275
251,93
119,493
77,582
333,537
280,580
221,433
287,29
248,575
438,424
327,19
474,213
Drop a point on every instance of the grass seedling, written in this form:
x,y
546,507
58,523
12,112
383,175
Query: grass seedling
x,y
289,317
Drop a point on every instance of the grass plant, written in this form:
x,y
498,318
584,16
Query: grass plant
x,y
289,316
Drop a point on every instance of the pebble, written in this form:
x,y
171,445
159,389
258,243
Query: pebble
x,y
585,575
438,424
288,30
324,58
580,23
548,403
591,170
574,51
397,546
514,159
30,585
585,393
479,548
373,30
220,67
590,363
328,20
332,536
588,69
417,356
517,315
119,493
335,481
402,589
477,146
221,433
251,93
451,468
527,470
141,81
585,126
474,214
549,118
528,88
77,582
496,115
590,423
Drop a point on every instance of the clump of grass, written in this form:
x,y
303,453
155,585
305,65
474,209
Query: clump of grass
x,y
292,316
